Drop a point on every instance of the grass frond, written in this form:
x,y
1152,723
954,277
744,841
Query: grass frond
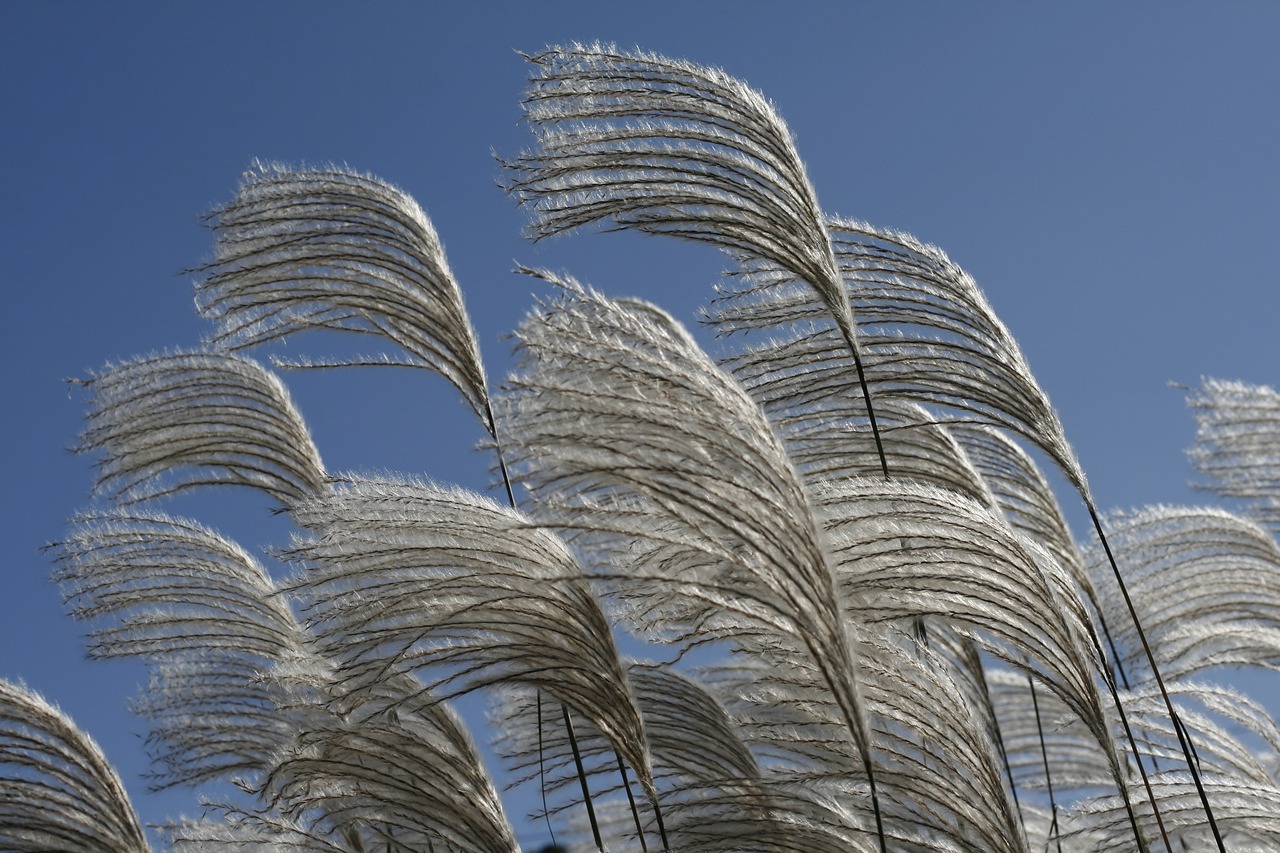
x,y
1237,447
174,421
336,249
206,617
57,789
633,441
401,576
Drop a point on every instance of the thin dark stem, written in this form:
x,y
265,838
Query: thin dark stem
x,y
573,741
1044,756
847,333
1184,737
542,772
582,780
662,827
635,813
1115,655
1142,771
866,396
995,729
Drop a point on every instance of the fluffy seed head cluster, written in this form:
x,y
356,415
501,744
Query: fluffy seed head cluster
x,y
810,595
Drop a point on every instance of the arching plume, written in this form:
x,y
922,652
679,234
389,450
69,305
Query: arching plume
x,y
630,438
57,790
207,619
390,764
1237,445
1206,584
926,330
640,141
400,575
337,249
168,422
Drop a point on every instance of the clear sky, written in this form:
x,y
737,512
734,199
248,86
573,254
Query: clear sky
x,y
1108,173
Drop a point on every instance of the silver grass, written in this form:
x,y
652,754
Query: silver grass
x,y
929,335
337,249
534,744
1235,736
705,772
640,141
168,422
237,693
1025,499
57,789
1205,582
830,440
389,763
940,772
875,655
926,331
1247,814
668,147
244,832
628,435
1060,737
400,575
906,550
693,737
1237,447
207,618
964,807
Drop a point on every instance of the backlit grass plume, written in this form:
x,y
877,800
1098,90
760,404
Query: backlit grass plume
x,y
727,606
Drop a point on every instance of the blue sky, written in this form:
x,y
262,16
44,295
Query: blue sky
x,y
1107,172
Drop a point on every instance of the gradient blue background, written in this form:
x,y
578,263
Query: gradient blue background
x,y
1107,172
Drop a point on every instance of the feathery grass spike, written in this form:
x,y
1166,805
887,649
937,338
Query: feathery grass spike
x,y
337,249
926,332
392,761
669,147
57,790
207,619
174,421
1237,446
928,335
1206,584
630,438
400,576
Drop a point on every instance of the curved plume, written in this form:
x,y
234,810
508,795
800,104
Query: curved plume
x,y
401,575
1206,584
206,616
1247,812
389,762
1059,737
1238,444
629,436
243,832
336,249
1025,497
926,331
57,790
909,549
668,147
928,334
168,422
941,773
704,770
1235,736
829,440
